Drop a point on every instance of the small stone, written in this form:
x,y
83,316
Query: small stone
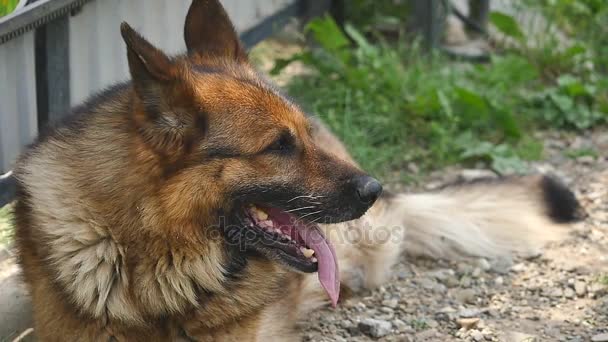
x,y
569,293
391,303
469,175
451,281
465,281
556,292
468,323
400,325
501,265
469,312
499,281
477,336
580,288
346,324
464,268
426,335
586,160
466,296
375,327
432,323
403,274
484,264
598,290
476,272
441,274
600,338
518,267
387,310
514,336
445,314
427,284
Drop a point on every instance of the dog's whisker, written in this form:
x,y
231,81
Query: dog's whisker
x,y
301,208
313,213
306,197
316,220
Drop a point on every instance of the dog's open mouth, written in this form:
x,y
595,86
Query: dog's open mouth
x,y
299,244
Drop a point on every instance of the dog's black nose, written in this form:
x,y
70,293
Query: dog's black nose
x,y
368,188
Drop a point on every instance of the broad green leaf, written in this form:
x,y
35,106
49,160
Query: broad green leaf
x,y
482,149
476,102
507,25
327,33
357,37
563,102
507,122
508,165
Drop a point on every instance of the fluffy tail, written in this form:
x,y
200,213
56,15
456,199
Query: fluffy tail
x,y
484,218
490,218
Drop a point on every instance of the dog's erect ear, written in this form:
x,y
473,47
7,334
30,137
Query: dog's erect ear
x,y
154,75
146,63
209,32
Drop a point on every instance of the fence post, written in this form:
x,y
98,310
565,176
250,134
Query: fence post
x,y
52,53
479,11
427,21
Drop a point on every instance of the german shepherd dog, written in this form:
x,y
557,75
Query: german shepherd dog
x,y
198,203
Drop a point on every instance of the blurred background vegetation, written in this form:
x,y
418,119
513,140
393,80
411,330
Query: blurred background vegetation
x,y
395,104
7,6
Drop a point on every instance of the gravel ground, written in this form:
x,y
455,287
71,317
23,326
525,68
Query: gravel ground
x,y
558,295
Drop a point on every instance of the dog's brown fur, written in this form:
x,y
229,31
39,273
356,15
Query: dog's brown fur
x,y
117,212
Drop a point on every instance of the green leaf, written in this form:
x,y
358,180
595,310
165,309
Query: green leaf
x,y
508,165
481,149
507,25
507,122
574,50
327,33
476,102
357,37
563,102
445,104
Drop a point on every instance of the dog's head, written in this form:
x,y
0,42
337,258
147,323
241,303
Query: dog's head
x,y
232,147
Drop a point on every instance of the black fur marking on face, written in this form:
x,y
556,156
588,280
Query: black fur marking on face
x,y
221,152
237,262
561,203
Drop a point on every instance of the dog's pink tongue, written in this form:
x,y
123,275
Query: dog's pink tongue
x,y
329,275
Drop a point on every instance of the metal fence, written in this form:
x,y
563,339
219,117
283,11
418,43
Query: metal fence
x,y
56,53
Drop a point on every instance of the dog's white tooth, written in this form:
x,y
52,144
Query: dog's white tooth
x,y
268,224
313,259
307,252
262,215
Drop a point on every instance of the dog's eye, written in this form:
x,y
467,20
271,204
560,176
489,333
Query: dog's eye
x,y
283,144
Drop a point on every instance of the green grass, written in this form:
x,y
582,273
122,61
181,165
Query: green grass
x,y
393,104
6,229
7,6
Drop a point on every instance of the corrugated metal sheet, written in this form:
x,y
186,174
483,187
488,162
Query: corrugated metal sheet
x,y
18,123
98,56
97,52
